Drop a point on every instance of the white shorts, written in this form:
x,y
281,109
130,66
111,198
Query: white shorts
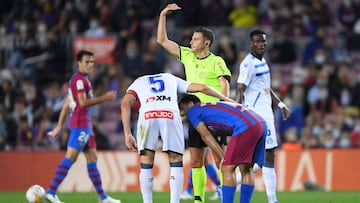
x,y
169,129
271,137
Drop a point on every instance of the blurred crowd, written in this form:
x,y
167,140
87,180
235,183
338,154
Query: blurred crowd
x,y
313,53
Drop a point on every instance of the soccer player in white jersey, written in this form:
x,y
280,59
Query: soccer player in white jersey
x,y
159,115
254,91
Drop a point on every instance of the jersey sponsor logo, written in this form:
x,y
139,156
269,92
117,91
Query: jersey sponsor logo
x,y
158,98
159,114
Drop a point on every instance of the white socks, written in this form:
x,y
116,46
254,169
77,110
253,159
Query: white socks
x,y
269,178
176,183
146,184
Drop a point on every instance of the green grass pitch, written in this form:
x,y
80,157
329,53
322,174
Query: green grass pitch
x,y
163,197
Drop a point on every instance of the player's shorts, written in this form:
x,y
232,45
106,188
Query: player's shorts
x,y
271,138
81,138
247,147
170,130
268,115
196,141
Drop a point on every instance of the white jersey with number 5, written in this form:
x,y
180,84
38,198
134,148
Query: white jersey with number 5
x,y
255,74
159,112
158,91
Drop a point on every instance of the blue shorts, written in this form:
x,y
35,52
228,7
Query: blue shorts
x,y
79,138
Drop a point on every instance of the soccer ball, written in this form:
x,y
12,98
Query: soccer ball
x,y
35,194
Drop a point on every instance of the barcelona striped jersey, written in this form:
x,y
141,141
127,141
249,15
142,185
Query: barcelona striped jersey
x,y
227,118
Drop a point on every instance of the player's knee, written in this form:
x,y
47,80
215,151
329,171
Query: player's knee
x,y
197,163
197,157
72,155
92,158
225,170
174,157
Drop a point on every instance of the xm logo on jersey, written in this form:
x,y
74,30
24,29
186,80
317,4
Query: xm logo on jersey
x,y
159,114
158,98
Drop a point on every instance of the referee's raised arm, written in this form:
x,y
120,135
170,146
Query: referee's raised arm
x,y
170,46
